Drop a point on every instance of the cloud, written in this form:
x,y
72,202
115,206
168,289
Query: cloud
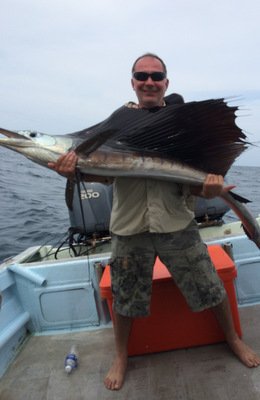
x,y
65,65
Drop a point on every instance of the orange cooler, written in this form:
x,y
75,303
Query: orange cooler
x,y
171,324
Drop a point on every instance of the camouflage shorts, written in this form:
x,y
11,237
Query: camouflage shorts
x,y
185,256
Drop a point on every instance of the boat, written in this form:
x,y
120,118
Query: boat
x,y
50,300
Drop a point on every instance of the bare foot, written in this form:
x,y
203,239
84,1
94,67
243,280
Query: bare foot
x,y
116,375
244,353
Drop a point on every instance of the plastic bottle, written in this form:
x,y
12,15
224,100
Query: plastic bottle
x,y
71,360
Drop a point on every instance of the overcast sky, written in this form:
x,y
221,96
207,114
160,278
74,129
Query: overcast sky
x,y
65,65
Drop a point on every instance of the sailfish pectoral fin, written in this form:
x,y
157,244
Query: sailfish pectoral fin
x,y
94,141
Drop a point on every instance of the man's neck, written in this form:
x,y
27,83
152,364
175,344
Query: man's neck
x,y
131,104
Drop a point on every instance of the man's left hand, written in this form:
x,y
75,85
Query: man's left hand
x,y
213,186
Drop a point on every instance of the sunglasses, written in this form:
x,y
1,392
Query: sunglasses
x,y
155,76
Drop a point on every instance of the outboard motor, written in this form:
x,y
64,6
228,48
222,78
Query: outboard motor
x,y
210,209
95,204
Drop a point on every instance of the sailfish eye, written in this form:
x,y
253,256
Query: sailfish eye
x,y
33,134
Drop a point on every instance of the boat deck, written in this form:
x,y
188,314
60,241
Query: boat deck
x,y
201,373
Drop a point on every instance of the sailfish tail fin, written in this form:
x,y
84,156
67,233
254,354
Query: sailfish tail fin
x,y
94,141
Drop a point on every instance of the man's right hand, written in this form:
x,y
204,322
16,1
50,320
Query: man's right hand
x,y
65,165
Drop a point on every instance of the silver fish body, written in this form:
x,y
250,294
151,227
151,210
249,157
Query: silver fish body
x,y
108,162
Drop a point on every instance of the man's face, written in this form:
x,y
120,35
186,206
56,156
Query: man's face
x,y
150,93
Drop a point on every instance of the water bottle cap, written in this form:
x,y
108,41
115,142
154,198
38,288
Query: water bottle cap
x,y
68,369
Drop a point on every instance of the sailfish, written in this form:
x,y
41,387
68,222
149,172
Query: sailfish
x,y
181,142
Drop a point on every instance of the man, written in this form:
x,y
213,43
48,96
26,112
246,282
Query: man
x,y
151,218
